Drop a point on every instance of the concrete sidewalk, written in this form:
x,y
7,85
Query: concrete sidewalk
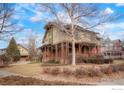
x,y
113,82
4,73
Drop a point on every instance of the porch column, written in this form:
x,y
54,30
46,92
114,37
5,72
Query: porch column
x,y
48,54
79,48
66,52
56,52
90,50
98,49
45,53
62,51
67,48
51,52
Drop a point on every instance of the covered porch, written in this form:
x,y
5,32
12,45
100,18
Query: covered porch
x,y
62,51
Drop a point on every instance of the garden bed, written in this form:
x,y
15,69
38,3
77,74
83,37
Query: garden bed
x,y
80,72
18,80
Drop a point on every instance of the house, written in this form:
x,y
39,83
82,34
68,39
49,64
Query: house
x,y
57,44
23,52
111,49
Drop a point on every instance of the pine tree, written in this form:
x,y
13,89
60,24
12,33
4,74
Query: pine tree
x,y
13,50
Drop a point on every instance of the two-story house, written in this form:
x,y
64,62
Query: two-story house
x,y
57,44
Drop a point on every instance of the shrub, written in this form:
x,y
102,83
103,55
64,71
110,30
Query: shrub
x,y
94,72
50,63
97,59
80,72
52,71
67,72
108,61
80,59
6,59
55,62
84,72
55,71
115,68
46,70
121,67
107,70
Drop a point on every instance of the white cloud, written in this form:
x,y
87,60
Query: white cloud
x,y
107,11
120,4
16,17
38,17
113,30
35,19
20,25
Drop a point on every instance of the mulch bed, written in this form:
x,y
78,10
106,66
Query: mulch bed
x,y
18,80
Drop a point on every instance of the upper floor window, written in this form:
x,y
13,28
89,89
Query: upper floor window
x,y
77,35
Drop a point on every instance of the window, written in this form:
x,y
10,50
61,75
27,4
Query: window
x,y
77,35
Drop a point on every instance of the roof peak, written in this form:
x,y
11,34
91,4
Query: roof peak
x,y
67,25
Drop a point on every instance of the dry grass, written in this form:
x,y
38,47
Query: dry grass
x,y
17,80
25,69
67,75
34,69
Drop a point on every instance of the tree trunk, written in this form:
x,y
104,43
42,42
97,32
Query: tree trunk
x,y
73,46
73,52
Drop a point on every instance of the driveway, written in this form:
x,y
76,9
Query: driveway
x,y
113,82
4,73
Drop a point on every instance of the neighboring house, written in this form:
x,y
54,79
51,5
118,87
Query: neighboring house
x,y
57,44
111,49
23,52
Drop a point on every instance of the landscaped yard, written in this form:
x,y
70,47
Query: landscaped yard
x,y
36,70
18,80
25,69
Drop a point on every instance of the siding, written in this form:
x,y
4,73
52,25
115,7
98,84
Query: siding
x,y
23,51
55,36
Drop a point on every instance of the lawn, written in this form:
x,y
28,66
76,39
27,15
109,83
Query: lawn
x,y
36,68
25,69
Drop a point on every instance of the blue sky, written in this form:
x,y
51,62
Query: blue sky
x,y
31,20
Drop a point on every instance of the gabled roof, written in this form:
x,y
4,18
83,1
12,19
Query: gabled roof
x,y
23,53
22,46
77,27
3,51
67,26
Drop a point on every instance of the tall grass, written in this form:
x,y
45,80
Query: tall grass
x,y
85,72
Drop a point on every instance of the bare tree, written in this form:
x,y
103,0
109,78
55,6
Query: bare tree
x,y
32,46
86,15
8,26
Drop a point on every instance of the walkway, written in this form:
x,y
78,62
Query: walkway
x,y
4,73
